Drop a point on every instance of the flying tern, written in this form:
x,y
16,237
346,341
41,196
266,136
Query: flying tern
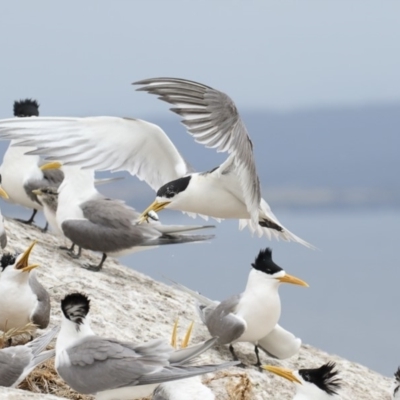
x,y
98,223
232,190
23,298
20,174
253,315
311,384
111,369
18,361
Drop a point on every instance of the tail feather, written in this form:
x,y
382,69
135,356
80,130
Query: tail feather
x,y
42,341
169,229
178,239
182,356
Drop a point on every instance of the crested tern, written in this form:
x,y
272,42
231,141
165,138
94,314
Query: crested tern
x,y
98,223
253,315
395,391
311,384
20,174
24,299
232,190
17,362
190,388
112,369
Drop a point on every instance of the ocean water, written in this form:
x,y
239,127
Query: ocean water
x,y
351,306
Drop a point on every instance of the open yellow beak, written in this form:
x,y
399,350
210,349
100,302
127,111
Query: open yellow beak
x,y
38,192
283,372
22,264
186,339
293,280
155,206
3,193
51,165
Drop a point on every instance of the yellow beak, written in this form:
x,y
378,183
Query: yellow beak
x,y
155,206
51,165
293,280
186,339
38,192
283,372
3,193
22,264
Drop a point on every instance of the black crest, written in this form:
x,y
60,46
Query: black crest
x,y
264,263
172,188
397,375
6,260
26,108
75,307
325,377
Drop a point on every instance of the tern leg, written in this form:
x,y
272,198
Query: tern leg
x,y
30,220
96,268
258,364
46,227
235,357
67,248
77,255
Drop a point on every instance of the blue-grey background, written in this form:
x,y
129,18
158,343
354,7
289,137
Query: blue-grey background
x,y
317,84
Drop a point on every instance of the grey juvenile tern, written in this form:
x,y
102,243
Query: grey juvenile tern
x,y
253,315
111,369
20,174
98,223
232,190
18,361
311,384
23,298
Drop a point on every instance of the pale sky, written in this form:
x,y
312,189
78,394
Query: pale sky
x,y
79,58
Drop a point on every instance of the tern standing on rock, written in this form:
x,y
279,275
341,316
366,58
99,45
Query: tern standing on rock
x,y
253,315
18,361
231,190
111,369
20,174
311,384
23,298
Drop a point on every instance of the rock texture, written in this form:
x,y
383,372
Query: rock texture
x,y
130,306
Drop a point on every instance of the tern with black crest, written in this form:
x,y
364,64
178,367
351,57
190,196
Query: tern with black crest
x,y
111,369
253,315
311,384
23,297
229,191
395,391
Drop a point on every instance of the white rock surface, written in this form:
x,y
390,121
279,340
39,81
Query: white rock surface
x,y
131,306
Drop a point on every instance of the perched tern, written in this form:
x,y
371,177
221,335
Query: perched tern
x,y
395,392
24,299
312,384
17,362
253,315
20,174
111,369
98,223
232,190
190,388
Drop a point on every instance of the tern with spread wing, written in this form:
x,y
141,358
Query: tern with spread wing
x,y
253,315
20,174
18,361
311,384
232,190
111,369
23,297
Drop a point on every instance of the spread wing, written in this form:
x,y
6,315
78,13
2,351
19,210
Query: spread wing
x,y
102,143
212,118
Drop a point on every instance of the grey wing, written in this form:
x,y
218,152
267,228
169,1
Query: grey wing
x,y
183,356
280,343
223,323
212,118
13,361
3,235
40,343
98,364
41,314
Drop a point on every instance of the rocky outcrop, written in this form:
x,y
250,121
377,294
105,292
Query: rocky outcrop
x,y
131,306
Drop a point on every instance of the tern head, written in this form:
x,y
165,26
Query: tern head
x,y
314,384
171,192
267,269
396,386
3,193
26,108
16,266
75,307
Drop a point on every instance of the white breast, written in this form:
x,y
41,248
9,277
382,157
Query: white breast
x,y
128,393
